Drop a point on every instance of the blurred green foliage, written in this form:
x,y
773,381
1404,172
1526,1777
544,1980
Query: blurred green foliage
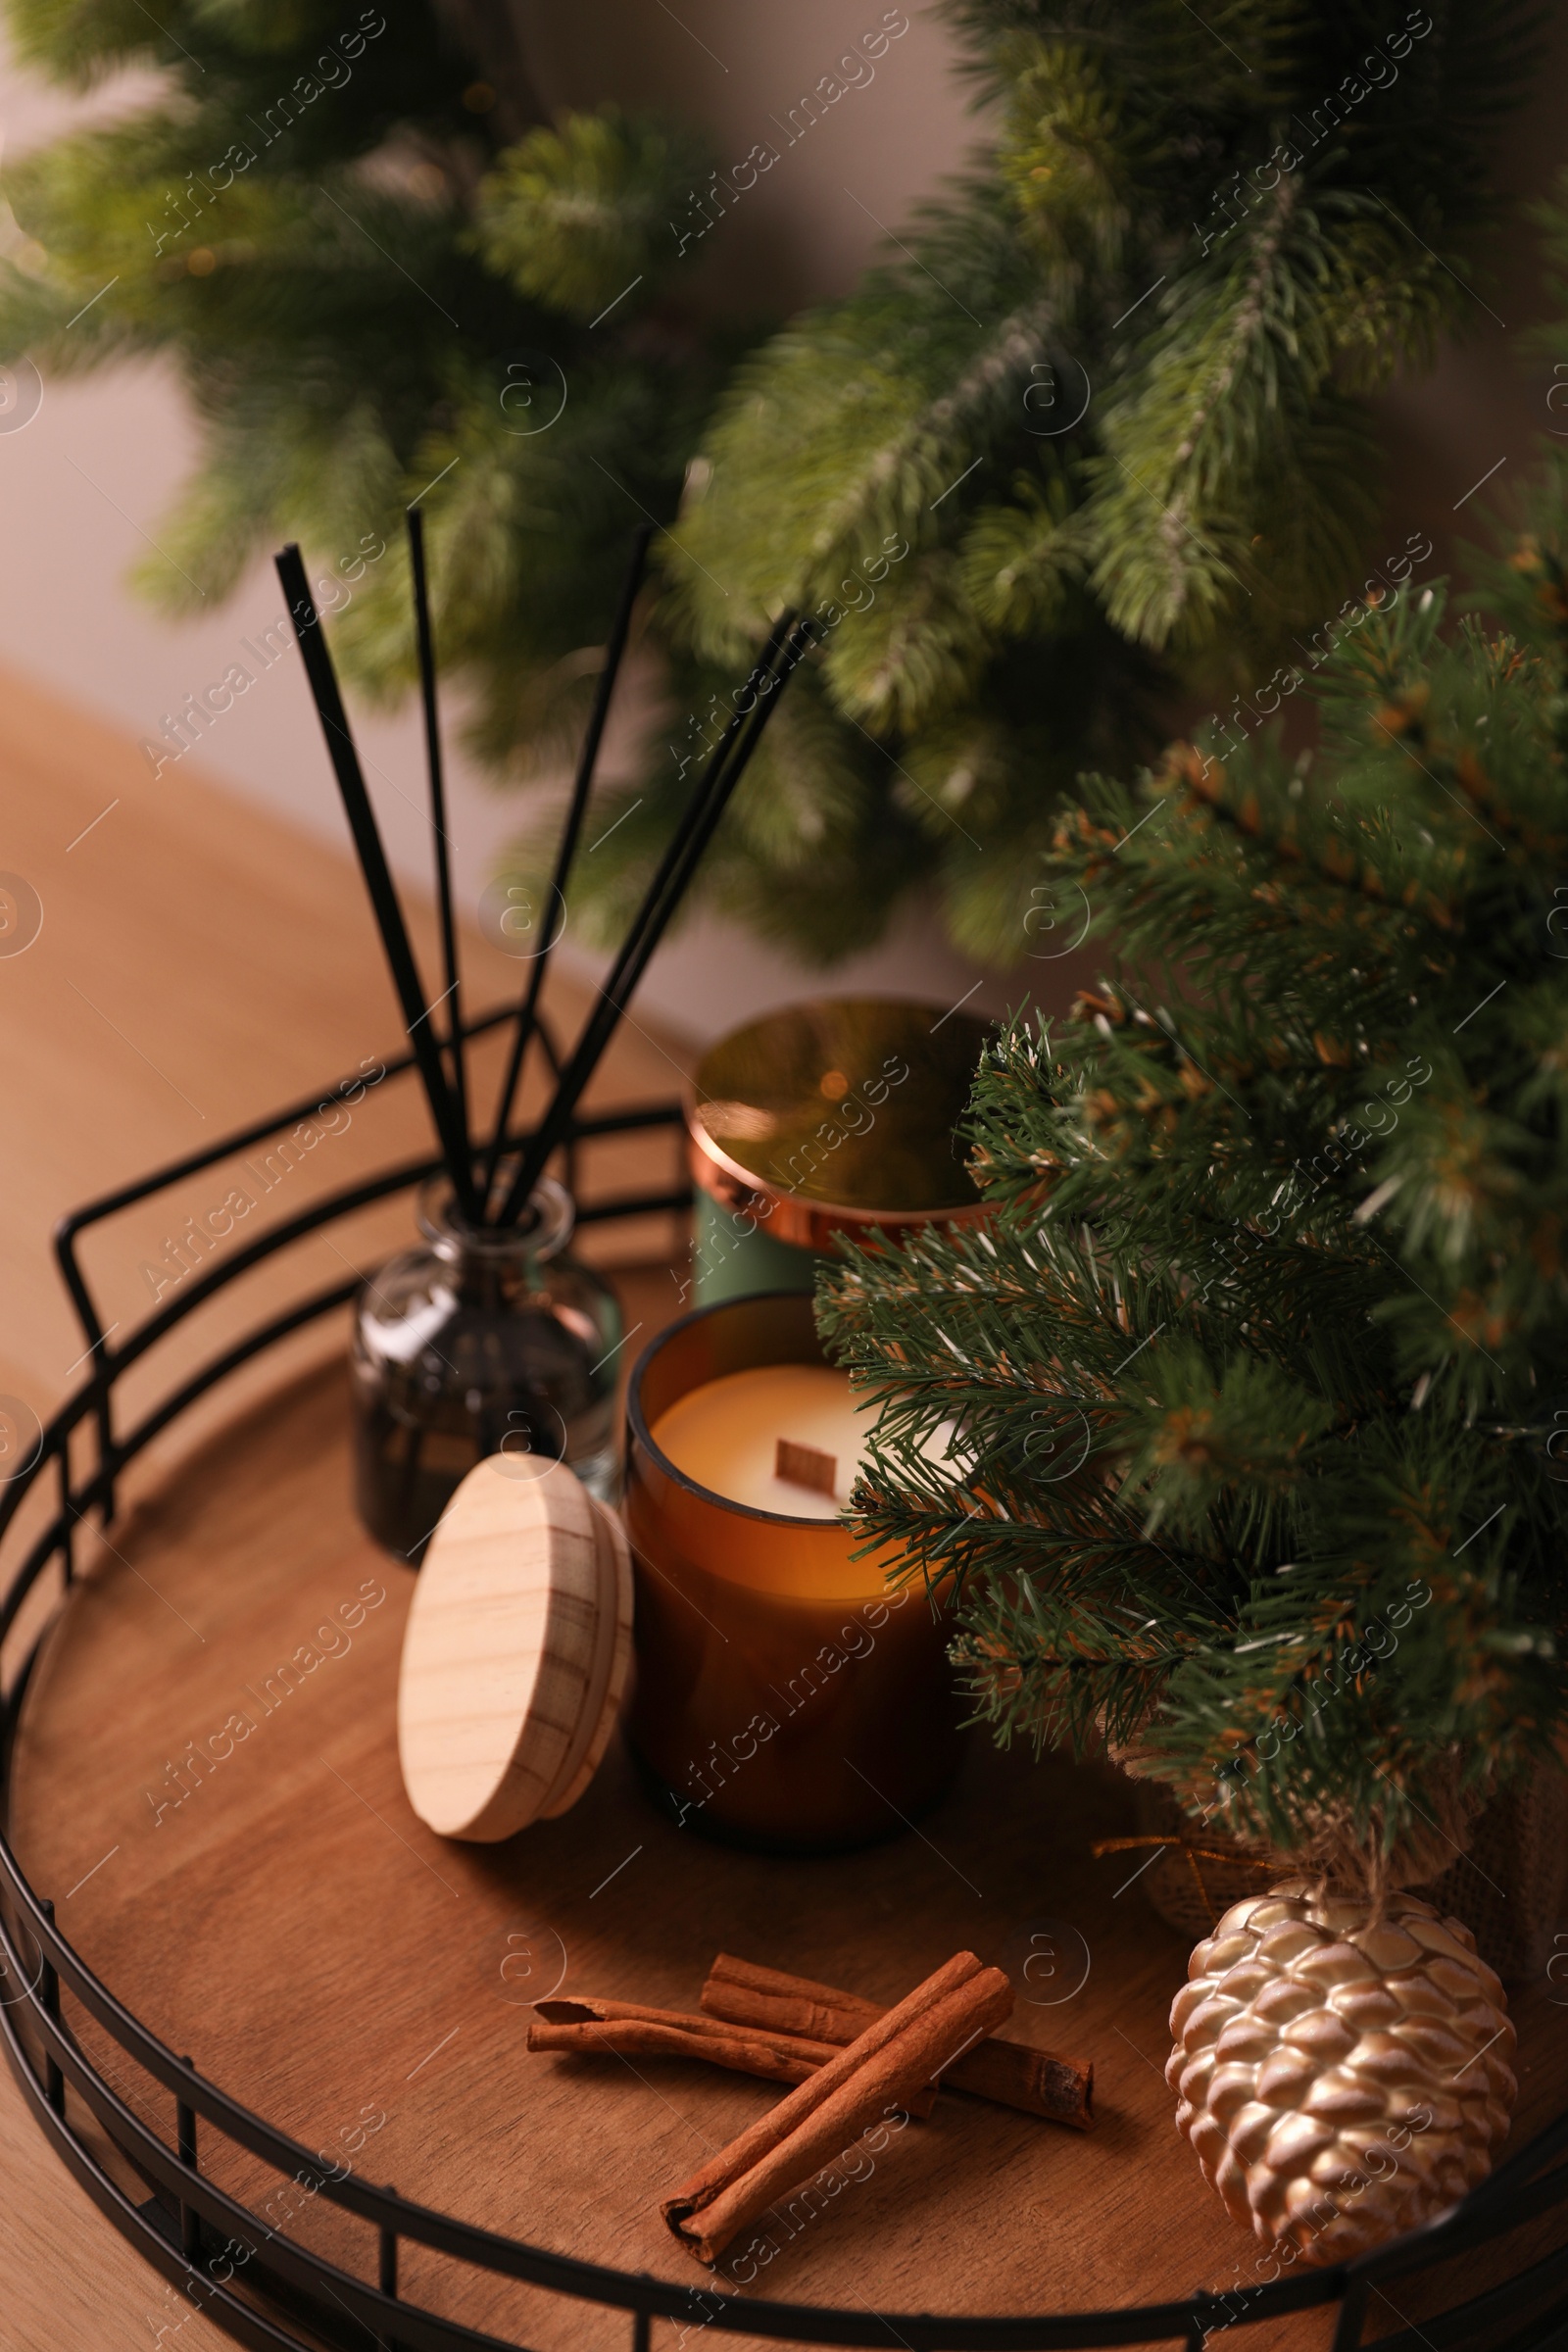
x,y
1095,435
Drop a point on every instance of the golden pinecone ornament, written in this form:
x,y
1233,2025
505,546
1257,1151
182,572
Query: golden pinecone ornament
x,y
1342,2076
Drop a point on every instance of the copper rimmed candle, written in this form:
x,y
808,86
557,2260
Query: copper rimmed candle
x,y
838,1115
786,1697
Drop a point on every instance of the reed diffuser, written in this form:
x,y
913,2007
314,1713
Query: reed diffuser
x,y
487,1337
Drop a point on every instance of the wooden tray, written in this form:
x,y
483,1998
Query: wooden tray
x,y
323,1957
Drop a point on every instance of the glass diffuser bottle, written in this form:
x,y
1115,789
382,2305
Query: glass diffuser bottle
x,y
482,1341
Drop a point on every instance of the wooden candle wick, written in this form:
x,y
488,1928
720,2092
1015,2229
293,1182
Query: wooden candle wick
x,y
628,2030
805,1466
899,2054
1010,2074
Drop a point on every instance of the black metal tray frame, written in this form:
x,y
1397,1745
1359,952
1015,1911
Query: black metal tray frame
x,y
262,2287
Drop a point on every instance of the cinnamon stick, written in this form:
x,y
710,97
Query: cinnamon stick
x,y
748,1995
899,2054
1010,2074
628,2030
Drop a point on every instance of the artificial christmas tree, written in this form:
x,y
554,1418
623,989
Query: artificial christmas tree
x,y
1097,434
1110,392
1257,1379
379,272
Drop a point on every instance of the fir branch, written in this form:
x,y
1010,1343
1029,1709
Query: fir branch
x,y
1235,1429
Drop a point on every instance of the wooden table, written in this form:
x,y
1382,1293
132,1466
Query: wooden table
x,y
286,1920
199,965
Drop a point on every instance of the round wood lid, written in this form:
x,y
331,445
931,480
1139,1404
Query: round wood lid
x,y
516,1651
838,1114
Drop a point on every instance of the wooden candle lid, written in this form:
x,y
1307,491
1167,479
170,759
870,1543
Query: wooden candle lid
x,y
516,1651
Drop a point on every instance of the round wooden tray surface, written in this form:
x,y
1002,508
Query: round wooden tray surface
x,y
324,1958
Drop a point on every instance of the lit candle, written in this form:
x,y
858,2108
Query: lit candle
x,y
726,1436
786,1695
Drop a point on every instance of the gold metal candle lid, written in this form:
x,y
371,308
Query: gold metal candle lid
x,y
838,1114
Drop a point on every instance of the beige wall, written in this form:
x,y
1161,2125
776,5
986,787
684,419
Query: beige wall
x,y
738,66
1486,398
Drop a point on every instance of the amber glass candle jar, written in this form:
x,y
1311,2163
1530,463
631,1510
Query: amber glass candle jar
x,y
786,1697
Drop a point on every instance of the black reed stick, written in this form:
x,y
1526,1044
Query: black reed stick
x,y
606,1007
689,818
378,877
669,887
724,773
577,809
438,818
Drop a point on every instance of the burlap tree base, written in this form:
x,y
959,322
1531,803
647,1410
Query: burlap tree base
x,y
1508,1888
